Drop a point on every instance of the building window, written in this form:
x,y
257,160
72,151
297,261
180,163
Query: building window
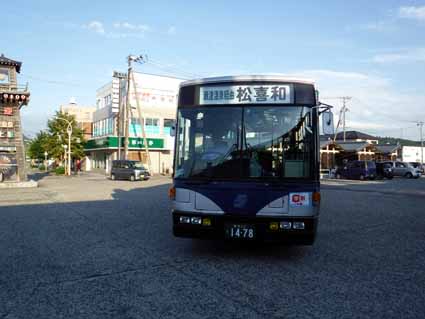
x,y
135,121
135,127
168,124
152,126
152,122
107,100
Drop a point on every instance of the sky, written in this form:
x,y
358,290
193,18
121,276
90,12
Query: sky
x,y
372,51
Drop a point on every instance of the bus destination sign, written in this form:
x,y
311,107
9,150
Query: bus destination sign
x,y
246,94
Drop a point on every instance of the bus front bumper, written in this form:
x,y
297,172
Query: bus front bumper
x,y
285,229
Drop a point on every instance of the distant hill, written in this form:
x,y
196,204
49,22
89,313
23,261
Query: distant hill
x,y
353,135
402,142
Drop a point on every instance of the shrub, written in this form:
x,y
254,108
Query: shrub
x,y
41,167
60,170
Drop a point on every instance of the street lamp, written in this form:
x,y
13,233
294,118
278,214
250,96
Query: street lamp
x,y
45,161
69,131
65,147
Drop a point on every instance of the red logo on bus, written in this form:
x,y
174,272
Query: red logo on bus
x,y
298,198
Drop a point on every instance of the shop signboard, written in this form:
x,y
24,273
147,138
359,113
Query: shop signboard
x,y
111,142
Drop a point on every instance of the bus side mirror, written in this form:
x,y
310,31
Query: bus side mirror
x,y
328,123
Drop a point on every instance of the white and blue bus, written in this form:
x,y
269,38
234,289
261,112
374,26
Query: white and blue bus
x,y
246,163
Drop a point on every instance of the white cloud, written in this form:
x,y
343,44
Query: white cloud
x,y
407,55
412,12
95,26
171,30
121,29
377,106
132,27
359,125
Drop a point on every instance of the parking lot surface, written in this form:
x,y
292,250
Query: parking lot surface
x,y
88,247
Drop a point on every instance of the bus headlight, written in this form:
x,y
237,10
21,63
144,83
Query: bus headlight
x,y
184,220
298,225
196,220
285,225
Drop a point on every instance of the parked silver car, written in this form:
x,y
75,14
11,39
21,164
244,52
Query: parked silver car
x,y
404,169
418,166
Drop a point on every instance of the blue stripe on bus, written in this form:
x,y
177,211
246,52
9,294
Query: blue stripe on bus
x,y
245,199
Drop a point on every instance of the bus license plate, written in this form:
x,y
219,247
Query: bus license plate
x,y
240,231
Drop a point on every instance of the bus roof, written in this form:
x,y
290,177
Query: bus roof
x,y
246,78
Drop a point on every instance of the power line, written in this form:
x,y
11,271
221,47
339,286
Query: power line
x,y
342,112
173,69
52,81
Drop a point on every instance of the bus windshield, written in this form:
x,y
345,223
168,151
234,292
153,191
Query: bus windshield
x,y
245,142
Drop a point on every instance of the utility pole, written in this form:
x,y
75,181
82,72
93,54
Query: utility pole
x,y
142,124
119,126
421,125
342,112
130,59
344,109
127,108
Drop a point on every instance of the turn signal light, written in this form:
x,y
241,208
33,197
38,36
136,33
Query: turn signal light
x,y
206,221
274,226
316,197
172,193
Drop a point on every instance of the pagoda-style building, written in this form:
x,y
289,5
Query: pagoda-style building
x,y
12,98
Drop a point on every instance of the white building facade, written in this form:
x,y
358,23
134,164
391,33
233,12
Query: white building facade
x,y
413,154
153,104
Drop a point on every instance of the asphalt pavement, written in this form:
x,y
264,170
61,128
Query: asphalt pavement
x,y
88,247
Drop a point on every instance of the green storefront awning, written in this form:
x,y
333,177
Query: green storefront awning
x,y
134,143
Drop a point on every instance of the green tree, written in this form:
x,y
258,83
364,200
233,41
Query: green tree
x,y
58,136
38,145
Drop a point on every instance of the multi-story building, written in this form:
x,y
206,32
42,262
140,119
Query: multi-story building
x,y
155,97
83,116
12,98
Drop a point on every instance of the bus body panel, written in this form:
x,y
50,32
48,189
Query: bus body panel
x,y
245,199
277,206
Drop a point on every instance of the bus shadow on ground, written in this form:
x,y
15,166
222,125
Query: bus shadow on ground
x,y
249,250
201,247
